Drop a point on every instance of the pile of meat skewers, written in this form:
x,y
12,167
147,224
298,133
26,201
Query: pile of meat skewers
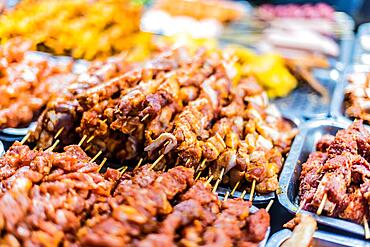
x,y
55,199
335,178
26,83
179,108
357,96
63,112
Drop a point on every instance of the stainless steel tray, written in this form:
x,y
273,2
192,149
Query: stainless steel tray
x,y
258,199
320,239
304,103
303,145
361,55
2,151
19,131
337,109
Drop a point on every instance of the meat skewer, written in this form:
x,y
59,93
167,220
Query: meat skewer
x,y
62,111
177,106
334,178
28,83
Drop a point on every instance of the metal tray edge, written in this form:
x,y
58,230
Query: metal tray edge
x,y
2,150
289,167
337,103
279,237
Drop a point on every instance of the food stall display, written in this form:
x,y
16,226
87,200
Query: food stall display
x,y
79,28
182,123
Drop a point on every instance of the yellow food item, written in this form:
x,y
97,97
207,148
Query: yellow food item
x,y
269,70
184,39
220,10
81,28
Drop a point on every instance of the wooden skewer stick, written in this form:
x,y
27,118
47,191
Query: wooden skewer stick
x,y
82,140
88,147
226,196
187,162
90,139
25,138
138,164
216,185
322,204
219,180
50,149
132,130
301,206
145,117
269,205
202,165
197,177
235,187
222,173
243,194
221,139
96,156
252,191
123,170
58,133
156,162
164,168
102,164
208,180
366,228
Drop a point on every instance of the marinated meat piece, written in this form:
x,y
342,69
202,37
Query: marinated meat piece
x,y
257,225
26,84
323,144
336,177
356,208
61,199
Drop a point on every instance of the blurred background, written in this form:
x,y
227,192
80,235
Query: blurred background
x,y
358,9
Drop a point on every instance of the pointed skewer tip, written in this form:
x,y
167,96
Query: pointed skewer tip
x,y
208,180
58,133
269,205
322,204
138,164
96,156
156,162
252,190
26,137
235,187
82,140
243,194
366,227
102,164
226,196
90,139
50,149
